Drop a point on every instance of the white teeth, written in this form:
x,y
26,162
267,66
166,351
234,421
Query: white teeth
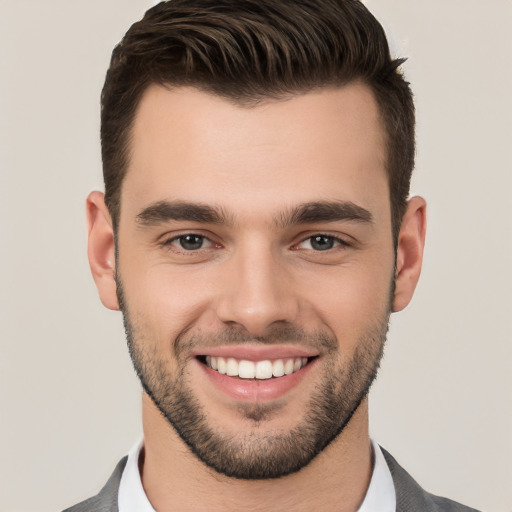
x,y
260,369
221,365
232,367
263,370
288,366
278,368
246,370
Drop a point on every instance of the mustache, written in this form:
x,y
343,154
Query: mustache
x,y
320,340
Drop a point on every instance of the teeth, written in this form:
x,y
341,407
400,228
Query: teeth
x,y
288,366
278,368
232,367
264,370
246,370
260,369
221,365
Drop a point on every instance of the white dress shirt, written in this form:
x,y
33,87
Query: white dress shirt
x,y
380,496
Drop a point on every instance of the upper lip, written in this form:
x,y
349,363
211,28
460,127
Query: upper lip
x,y
256,352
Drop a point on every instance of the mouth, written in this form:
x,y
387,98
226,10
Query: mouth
x,y
256,375
255,370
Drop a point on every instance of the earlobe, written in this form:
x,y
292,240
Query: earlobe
x,y
409,257
101,249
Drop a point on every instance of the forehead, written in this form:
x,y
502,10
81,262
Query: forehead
x,y
194,146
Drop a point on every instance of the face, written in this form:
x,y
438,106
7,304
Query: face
x,y
255,269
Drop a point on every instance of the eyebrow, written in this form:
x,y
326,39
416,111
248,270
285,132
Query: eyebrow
x,y
324,211
306,213
164,211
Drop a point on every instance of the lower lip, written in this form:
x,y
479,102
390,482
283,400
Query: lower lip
x,y
255,389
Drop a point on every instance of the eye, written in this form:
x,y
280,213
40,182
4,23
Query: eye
x,y
190,242
321,243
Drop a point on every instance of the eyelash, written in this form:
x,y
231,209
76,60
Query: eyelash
x,y
333,239
336,241
169,242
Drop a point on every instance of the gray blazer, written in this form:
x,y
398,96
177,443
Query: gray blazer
x,y
410,497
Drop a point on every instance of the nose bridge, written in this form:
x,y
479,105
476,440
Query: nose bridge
x,y
258,292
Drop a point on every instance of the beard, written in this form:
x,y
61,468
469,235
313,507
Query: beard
x,y
255,453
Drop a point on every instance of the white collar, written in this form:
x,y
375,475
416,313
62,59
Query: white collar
x,y
131,497
380,496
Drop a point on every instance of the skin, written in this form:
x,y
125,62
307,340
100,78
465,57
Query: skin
x,y
256,164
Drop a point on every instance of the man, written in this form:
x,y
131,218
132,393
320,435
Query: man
x,y
256,233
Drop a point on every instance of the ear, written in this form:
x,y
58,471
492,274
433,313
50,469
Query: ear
x,y
101,249
409,257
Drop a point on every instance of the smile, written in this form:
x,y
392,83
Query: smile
x,y
245,369
255,373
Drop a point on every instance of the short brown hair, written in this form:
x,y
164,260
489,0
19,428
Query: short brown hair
x,y
250,50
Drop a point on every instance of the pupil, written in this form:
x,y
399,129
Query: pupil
x,y
322,243
191,242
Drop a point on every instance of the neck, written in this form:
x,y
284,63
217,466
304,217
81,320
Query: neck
x,y
175,479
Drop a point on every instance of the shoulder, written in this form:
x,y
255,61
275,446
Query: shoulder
x,y
410,496
106,499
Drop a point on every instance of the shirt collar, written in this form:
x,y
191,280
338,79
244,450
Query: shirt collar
x,y
132,497
380,496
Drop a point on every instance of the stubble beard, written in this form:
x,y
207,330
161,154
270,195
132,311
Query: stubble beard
x,y
253,454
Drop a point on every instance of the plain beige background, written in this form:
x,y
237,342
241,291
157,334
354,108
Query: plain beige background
x,y
69,400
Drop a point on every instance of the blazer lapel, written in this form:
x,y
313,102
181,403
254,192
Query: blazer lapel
x,y
106,499
409,495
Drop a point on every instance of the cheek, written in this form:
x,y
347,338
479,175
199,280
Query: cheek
x,y
165,300
350,301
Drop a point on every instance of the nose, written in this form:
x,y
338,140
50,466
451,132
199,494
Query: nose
x,y
257,292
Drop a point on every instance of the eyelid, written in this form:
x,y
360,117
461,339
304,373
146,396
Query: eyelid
x,y
340,240
166,241
206,242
